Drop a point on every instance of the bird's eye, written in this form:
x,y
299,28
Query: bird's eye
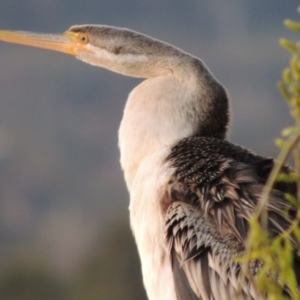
x,y
83,38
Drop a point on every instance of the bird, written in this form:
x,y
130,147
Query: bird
x,y
191,190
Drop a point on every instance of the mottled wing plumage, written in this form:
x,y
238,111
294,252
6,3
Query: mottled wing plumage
x,y
215,188
205,256
202,257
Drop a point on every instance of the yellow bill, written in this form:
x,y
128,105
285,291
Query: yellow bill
x,y
68,42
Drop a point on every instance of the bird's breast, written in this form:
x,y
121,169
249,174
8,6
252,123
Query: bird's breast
x,y
147,223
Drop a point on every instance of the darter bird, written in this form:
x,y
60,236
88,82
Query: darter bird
x,y
191,191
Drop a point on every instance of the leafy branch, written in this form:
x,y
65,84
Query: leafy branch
x,y
277,254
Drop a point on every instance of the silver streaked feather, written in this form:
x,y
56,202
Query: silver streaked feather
x,y
211,212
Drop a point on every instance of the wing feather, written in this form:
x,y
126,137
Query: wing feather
x,y
217,187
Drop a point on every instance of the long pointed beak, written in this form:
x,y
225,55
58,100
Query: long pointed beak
x,y
66,42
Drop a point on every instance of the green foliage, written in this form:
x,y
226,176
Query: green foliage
x,y
277,253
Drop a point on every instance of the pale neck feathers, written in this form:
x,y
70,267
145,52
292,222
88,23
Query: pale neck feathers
x,y
180,98
157,113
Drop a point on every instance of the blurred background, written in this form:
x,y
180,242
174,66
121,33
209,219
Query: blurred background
x,y
64,225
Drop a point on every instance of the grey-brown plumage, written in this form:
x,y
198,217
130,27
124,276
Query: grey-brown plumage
x,y
215,188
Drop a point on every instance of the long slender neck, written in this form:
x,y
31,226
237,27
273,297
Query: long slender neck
x,y
186,101
179,98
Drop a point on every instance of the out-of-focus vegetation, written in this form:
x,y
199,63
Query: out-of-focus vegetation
x,y
111,271
278,254
27,280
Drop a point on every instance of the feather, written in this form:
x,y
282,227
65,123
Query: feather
x,y
220,185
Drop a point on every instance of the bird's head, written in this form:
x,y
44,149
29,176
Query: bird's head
x,y
117,49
